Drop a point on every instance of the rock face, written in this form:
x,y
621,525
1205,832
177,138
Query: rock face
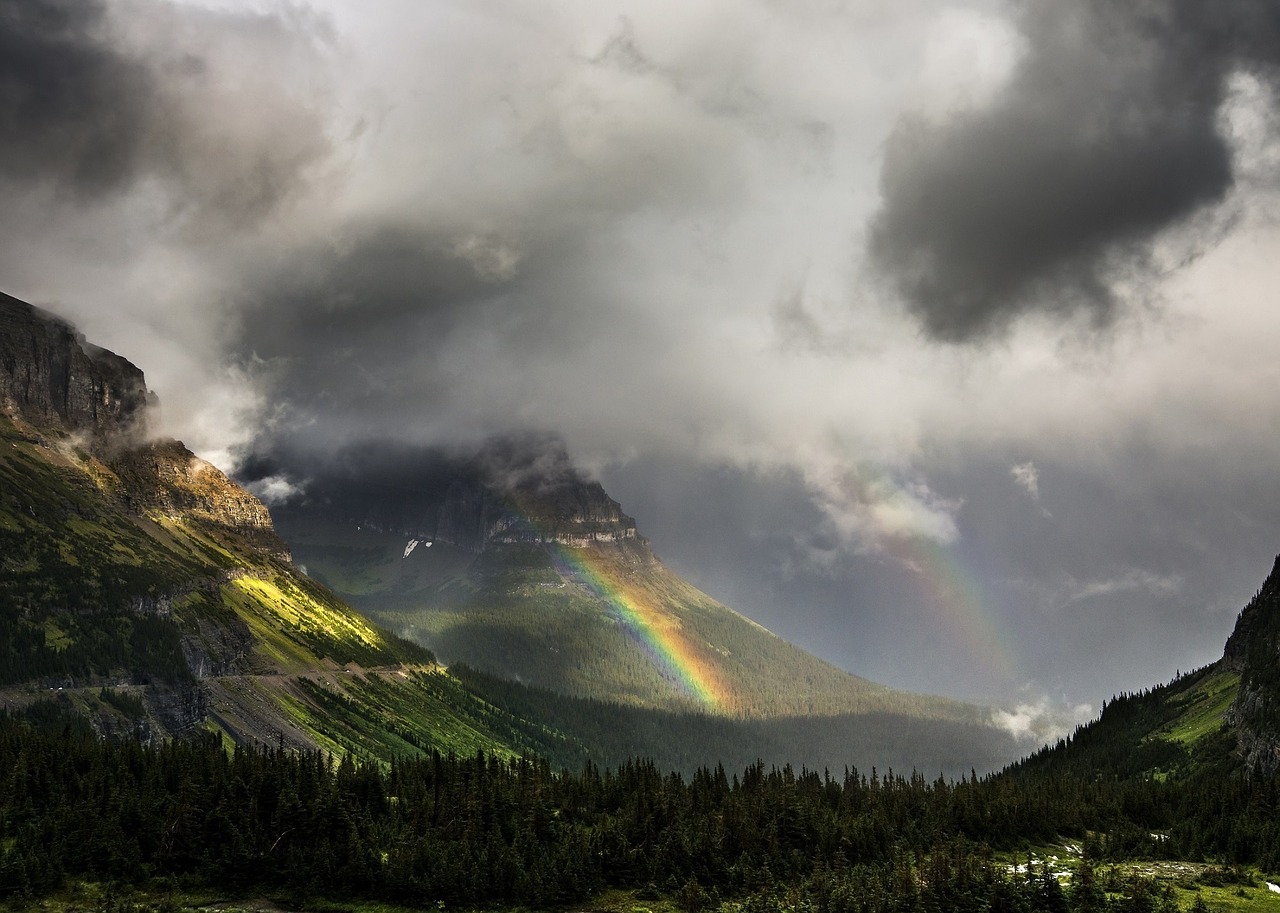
x,y
52,379
51,376
572,512
165,477
1253,649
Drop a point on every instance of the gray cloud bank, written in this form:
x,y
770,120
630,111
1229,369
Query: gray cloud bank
x,y
94,103
1107,131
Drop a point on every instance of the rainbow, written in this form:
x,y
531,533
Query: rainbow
x,y
948,589
660,634
960,605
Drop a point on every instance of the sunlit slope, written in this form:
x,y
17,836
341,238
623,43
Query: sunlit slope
x,y
190,616
1178,729
601,622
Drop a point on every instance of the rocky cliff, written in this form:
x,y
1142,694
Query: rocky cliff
x,y
572,512
143,589
1253,650
55,382
51,376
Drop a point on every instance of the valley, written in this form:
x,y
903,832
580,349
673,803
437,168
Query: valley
x,y
485,690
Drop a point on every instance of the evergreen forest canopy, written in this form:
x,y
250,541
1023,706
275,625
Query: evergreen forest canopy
x,y
484,829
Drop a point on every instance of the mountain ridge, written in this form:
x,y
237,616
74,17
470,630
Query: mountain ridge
x,y
1223,717
135,567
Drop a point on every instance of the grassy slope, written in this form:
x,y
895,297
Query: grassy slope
x,y
543,646
1173,730
163,605
511,613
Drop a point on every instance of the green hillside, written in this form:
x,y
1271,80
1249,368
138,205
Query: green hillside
x,y
1220,718
530,613
170,619
1178,730
602,642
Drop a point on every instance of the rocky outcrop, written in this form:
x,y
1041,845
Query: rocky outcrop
x,y
572,512
52,377
54,380
1253,650
164,477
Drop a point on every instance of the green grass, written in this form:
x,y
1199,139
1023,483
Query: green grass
x,y
167,898
1231,899
1203,708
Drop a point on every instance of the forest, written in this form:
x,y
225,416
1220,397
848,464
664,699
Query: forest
x,y
484,830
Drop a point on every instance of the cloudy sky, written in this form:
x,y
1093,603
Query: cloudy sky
x,y
941,338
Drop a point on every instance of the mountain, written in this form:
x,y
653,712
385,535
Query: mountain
x,y
142,588
509,563
1222,717
1253,653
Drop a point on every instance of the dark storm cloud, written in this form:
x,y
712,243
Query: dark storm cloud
x,y
355,331
95,97
406,331
1107,132
72,107
400,484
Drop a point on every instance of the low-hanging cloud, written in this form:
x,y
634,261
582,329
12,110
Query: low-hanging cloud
x,y
1107,132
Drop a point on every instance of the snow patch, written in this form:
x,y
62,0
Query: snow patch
x,y
414,543
1273,888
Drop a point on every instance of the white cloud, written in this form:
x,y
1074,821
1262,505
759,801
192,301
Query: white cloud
x,y
1027,476
583,218
1042,721
1133,580
274,490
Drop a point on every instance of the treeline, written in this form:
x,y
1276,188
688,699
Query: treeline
x,y
480,829
610,734
100,645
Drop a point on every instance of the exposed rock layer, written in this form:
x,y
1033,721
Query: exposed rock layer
x,y
51,376
54,380
515,490
1253,649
